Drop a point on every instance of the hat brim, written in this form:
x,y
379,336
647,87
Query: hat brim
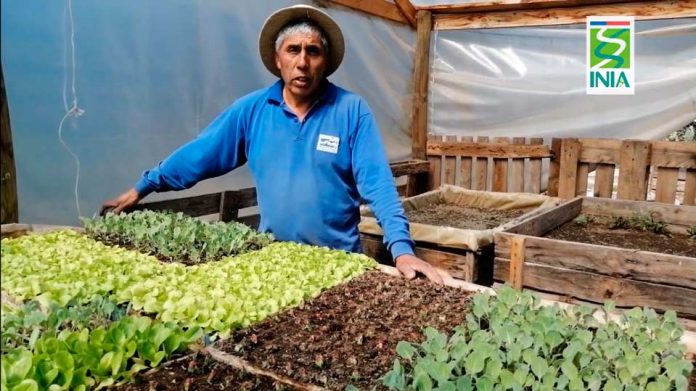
x,y
282,17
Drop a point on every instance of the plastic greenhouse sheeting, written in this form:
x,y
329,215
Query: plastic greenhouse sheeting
x,y
149,76
530,82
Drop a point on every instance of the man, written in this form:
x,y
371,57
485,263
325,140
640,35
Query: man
x,y
313,148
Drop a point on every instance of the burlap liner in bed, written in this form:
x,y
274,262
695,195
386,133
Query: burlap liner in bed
x,y
468,239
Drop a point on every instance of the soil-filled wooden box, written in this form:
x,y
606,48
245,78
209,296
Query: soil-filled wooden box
x,y
634,253
454,227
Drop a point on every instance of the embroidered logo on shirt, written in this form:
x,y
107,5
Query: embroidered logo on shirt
x,y
328,143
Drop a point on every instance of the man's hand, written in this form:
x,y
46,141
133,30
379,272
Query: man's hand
x,y
408,265
124,201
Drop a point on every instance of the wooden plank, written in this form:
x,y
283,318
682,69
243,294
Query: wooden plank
x,y
633,170
494,150
598,288
421,71
407,10
380,8
409,167
517,169
450,165
607,260
554,167
480,173
640,10
581,179
500,168
517,259
435,174
673,154
535,168
604,181
666,188
465,166
462,266
604,151
690,188
507,5
547,220
9,205
568,168
194,206
684,215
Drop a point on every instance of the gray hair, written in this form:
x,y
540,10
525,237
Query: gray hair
x,y
301,27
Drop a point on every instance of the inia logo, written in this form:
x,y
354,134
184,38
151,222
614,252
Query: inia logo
x,y
610,60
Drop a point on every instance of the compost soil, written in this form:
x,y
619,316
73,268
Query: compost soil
x,y
348,334
597,231
464,217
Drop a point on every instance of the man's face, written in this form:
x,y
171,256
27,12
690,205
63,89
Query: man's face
x,y
301,60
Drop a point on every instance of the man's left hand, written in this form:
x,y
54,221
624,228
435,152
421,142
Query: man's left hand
x,y
408,265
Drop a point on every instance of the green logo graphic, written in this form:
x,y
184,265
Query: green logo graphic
x,y
610,48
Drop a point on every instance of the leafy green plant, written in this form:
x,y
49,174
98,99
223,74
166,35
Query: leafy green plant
x,y
583,220
176,236
511,342
640,222
217,296
21,326
78,360
692,232
619,222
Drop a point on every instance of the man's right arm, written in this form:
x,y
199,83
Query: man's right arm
x,y
219,149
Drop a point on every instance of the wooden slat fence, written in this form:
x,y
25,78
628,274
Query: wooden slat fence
x,y
503,164
634,160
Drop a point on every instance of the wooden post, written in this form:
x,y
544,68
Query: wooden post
x,y
554,167
8,178
228,210
421,71
516,262
568,167
633,166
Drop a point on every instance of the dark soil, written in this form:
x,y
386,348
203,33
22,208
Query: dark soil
x,y
464,217
348,335
199,372
597,231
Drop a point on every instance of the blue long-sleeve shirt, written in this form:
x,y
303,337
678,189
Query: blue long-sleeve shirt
x,y
310,174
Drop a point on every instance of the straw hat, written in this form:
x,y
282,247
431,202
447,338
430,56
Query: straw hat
x,y
282,17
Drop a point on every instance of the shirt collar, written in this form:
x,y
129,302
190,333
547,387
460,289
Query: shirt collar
x,y
328,94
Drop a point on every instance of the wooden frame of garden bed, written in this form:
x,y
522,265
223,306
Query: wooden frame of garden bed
x,y
597,273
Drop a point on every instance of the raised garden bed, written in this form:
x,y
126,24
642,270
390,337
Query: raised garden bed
x,y
454,227
630,275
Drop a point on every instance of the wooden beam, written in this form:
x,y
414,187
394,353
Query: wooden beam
x,y
379,8
421,71
408,10
509,5
500,150
643,10
409,167
8,175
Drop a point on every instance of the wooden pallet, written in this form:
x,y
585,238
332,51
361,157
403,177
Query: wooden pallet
x,y
634,159
504,164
